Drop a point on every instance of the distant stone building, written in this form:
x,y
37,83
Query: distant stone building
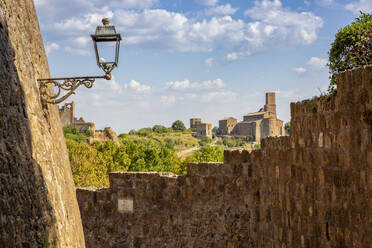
x,y
204,129
194,122
259,125
67,117
227,125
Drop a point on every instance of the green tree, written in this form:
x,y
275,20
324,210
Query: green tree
x,y
351,48
287,127
178,126
159,129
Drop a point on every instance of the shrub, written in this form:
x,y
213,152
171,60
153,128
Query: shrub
x,y
205,141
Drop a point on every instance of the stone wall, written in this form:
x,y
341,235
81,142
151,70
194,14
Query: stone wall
x,y
310,189
37,195
108,134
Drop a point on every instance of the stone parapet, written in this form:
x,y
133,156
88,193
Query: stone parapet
x,y
311,189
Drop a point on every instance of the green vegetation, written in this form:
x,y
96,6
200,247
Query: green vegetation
x,y
205,141
178,126
73,133
352,48
287,127
160,136
148,149
234,141
206,154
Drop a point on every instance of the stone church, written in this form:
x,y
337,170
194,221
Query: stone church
x,y
261,124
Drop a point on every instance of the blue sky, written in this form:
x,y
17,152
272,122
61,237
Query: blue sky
x,y
194,58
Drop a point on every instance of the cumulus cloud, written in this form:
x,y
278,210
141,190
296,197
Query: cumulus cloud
x,y
317,63
187,85
300,70
50,47
226,9
301,26
138,87
207,2
161,29
361,5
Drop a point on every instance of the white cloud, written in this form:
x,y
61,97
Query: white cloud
x,y
168,100
300,70
160,29
221,10
138,87
361,5
219,95
50,47
187,85
207,2
114,85
317,63
301,26
230,57
325,2
78,51
209,62
76,26
134,4
83,41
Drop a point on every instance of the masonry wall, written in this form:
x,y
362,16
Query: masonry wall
x,y
37,195
310,189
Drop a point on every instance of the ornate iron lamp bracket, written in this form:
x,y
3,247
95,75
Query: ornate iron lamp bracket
x,y
65,84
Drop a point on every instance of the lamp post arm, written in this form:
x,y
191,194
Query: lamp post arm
x,y
66,84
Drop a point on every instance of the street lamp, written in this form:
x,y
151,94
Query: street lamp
x,y
106,45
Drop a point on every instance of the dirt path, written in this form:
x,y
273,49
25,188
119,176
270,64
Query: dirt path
x,y
183,154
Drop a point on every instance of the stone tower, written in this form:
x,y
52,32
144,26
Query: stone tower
x,y
270,105
37,195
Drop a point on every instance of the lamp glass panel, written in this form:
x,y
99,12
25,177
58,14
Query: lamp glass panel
x,y
106,52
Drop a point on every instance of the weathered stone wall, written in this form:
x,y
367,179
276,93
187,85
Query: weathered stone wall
x,y
108,134
311,189
37,195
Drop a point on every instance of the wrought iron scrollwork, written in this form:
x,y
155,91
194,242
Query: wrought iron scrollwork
x,y
65,84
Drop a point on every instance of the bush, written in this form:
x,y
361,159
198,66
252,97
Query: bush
x,y
205,141
206,154
352,48
178,126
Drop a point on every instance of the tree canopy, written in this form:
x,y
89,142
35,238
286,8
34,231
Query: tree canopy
x,y
351,48
178,126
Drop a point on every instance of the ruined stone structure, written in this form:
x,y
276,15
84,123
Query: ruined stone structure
x,y
203,130
227,125
194,122
37,194
106,135
310,189
261,124
67,116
